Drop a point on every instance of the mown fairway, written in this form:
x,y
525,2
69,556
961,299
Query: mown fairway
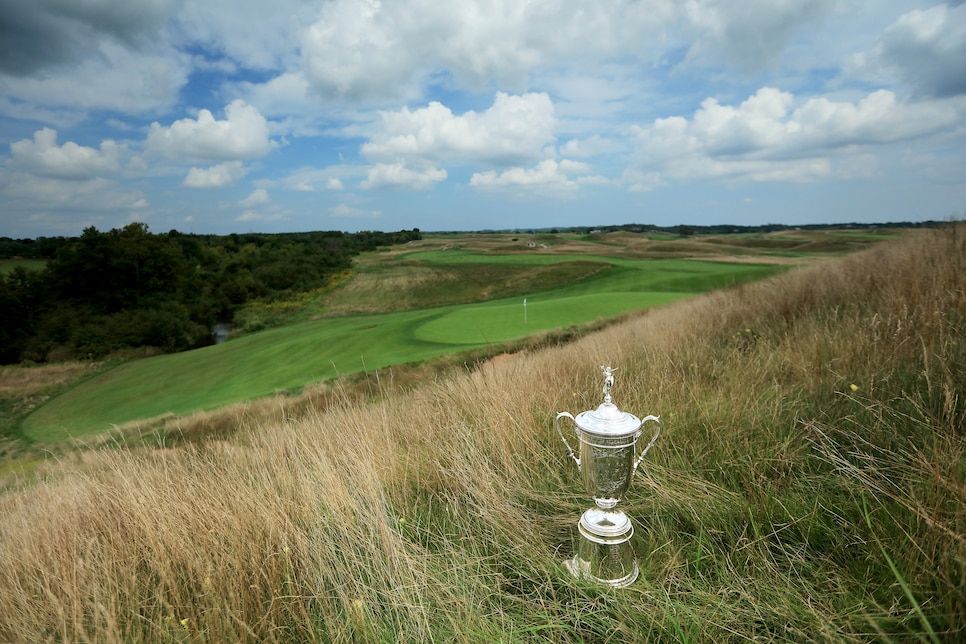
x,y
289,357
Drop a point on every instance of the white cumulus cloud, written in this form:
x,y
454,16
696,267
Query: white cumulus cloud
x,y
308,179
639,181
43,157
62,205
217,176
367,50
925,49
113,78
397,175
251,215
257,34
589,147
258,197
768,138
513,129
243,134
550,177
747,34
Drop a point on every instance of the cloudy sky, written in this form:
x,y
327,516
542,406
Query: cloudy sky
x,y
219,116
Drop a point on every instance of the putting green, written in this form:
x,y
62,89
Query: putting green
x,y
508,320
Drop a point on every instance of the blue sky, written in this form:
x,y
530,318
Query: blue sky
x,y
243,115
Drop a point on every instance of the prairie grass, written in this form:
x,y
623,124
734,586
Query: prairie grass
x,y
810,485
20,383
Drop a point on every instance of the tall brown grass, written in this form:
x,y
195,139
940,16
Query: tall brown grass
x,y
810,485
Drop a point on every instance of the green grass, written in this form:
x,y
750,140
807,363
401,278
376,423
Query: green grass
x,y
809,485
502,321
289,357
7,265
256,365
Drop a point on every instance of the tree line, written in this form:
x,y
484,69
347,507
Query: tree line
x,y
129,288
686,230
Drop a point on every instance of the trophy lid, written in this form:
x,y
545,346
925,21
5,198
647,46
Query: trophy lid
x,y
607,419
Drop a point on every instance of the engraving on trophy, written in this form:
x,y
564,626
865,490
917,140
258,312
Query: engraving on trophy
x,y
607,462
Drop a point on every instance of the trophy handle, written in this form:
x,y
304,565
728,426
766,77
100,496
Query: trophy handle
x,y
656,419
556,423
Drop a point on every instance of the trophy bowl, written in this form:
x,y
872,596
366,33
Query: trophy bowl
x,y
608,446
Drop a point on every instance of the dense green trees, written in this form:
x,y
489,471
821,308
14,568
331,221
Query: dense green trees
x,y
128,287
40,248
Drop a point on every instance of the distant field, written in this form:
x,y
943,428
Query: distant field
x,y
292,356
441,295
7,265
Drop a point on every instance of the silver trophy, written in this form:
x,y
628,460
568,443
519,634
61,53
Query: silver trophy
x,y
607,463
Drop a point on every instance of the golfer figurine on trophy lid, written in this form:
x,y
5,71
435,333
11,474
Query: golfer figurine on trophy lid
x,y
607,463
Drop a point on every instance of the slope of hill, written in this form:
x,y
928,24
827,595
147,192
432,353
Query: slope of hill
x,y
809,485
563,290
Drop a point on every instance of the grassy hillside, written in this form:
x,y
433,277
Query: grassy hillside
x,y
586,289
809,486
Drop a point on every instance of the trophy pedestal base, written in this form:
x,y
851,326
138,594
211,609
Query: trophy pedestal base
x,y
581,570
604,551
